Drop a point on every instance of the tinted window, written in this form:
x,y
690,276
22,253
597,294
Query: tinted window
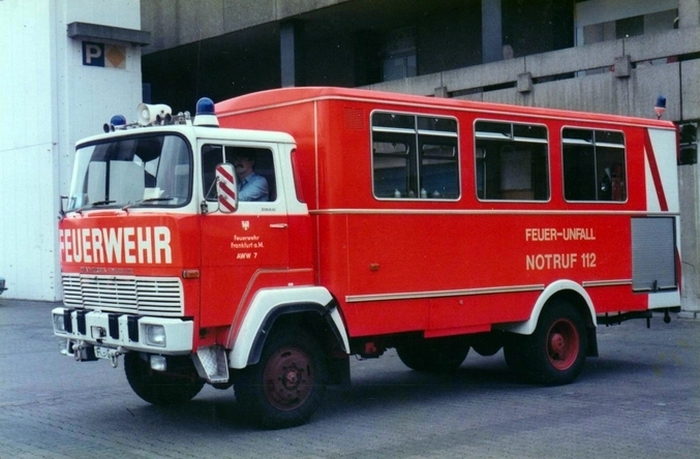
x,y
414,156
594,165
511,161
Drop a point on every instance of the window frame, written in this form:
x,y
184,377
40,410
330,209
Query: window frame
x,y
512,138
594,144
136,136
415,161
225,145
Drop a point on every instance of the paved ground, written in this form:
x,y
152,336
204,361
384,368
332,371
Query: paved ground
x,y
639,399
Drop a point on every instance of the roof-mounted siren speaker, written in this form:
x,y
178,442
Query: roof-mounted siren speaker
x,y
154,114
206,115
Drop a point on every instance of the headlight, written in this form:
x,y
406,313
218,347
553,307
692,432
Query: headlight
x,y
155,335
58,324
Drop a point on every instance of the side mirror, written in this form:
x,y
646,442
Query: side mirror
x,y
226,188
61,210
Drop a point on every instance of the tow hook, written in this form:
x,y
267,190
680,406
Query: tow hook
x,y
83,352
114,356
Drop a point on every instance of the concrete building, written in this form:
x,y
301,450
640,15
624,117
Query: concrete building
x,y
610,56
66,66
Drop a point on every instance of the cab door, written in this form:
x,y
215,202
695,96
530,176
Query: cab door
x,y
249,245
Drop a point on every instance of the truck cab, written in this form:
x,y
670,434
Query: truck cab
x,y
176,254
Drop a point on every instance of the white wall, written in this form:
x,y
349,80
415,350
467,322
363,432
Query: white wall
x,y
49,100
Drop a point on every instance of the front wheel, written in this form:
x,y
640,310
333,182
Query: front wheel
x,y
177,385
555,353
287,386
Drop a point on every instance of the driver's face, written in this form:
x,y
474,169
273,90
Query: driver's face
x,y
244,166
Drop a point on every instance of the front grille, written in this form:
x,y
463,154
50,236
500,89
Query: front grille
x,y
158,296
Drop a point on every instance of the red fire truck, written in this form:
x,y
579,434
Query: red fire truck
x,y
262,242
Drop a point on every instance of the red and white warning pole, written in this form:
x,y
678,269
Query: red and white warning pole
x,y
226,188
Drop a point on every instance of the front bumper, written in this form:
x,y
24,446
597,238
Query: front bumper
x,y
126,332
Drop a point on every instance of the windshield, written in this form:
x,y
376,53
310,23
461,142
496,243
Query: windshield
x,y
152,170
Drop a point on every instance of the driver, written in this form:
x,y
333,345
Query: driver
x,y
251,186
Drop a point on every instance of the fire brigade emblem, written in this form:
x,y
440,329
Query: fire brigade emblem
x,y
245,224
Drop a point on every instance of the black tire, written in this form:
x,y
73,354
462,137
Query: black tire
x,y
287,386
555,353
436,355
487,344
178,385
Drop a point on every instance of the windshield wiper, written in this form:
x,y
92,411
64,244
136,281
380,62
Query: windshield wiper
x,y
141,201
101,203
94,204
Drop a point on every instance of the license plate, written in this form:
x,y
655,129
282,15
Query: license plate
x,y
104,352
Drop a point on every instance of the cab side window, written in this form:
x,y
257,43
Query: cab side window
x,y
594,165
211,156
254,169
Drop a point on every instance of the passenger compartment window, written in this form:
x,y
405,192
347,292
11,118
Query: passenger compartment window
x,y
511,161
594,165
414,157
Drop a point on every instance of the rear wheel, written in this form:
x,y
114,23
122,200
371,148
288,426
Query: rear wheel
x,y
178,385
487,344
555,353
286,387
436,355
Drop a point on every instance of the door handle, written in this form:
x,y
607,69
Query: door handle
x,y
278,225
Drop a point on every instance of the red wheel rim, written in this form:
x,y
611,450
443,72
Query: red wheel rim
x,y
563,344
288,378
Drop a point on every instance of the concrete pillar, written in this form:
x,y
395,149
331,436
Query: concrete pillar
x,y
524,83
291,54
688,13
491,31
689,187
441,92
689,17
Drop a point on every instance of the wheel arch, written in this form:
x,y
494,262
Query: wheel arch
x,y
312,308
565,290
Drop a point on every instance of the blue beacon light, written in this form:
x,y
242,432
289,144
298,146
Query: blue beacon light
x,y
115,122
660,106
205,115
